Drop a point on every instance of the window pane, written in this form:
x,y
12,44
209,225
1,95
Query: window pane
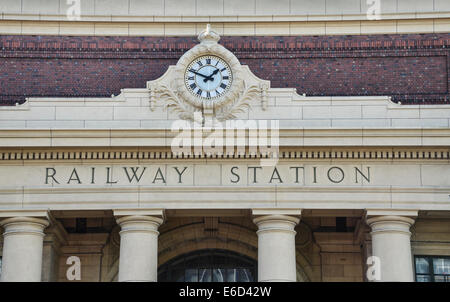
x,y
204,275
423,278
239,275
422,266
209,266
244,275
441,266
440,279
219,275
191,275
231,275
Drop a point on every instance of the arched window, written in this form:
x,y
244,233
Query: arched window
x,y
209,265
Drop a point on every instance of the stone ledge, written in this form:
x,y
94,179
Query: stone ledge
x,y
248,27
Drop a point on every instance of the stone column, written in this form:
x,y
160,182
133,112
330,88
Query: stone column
x,y
276,246
22,248
138,248
391,244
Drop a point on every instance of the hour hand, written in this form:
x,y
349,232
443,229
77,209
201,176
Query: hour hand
x,y
211,76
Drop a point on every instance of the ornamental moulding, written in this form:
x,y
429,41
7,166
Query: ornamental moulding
x,y
171,90
310,154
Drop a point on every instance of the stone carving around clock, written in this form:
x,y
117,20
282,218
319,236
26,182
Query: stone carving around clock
x,y
209,79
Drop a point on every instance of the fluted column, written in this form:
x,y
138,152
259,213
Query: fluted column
x,y
139,248
391,244
276,248
22,248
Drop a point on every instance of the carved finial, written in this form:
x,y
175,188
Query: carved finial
x,y
208,35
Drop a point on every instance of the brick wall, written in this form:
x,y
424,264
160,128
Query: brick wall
x,y
412,68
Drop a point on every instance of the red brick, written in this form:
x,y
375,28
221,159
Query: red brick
x,y
411,68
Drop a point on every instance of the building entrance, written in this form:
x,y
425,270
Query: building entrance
x,y
209,265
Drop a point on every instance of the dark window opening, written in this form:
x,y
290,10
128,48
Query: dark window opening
x,y
209,265
81,225
432,268
341,224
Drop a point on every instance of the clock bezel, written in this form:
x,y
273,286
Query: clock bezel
x,y
234,90
226,65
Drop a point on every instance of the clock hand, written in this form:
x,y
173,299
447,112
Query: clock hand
x,y
198,74
210,78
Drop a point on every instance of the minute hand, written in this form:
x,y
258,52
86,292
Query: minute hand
x,y
202,75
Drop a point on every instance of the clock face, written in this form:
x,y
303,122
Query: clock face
x,y
208,77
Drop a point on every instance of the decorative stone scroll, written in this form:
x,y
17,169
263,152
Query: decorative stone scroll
x,y
171,90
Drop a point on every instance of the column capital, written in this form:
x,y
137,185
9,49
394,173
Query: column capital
x,y
391,224
387,219
137,223
139,212
276,219
44,214
276,223
23,225
267,212
390,220
391,212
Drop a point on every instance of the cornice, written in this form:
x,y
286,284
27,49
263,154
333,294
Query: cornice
x,y
222,18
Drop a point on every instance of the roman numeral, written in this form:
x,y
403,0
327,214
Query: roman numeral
x,y
208,95
223,86
225,77
199,92
208,61
200,63
193,86
192,70
217,92
191,78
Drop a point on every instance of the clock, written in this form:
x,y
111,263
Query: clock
x,y
208,77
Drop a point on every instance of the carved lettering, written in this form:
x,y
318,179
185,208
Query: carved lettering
x,y
52,175
275,171
74,176
134,170
160,177
365,176
254,173
335,178
236,180
180,174
289,175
